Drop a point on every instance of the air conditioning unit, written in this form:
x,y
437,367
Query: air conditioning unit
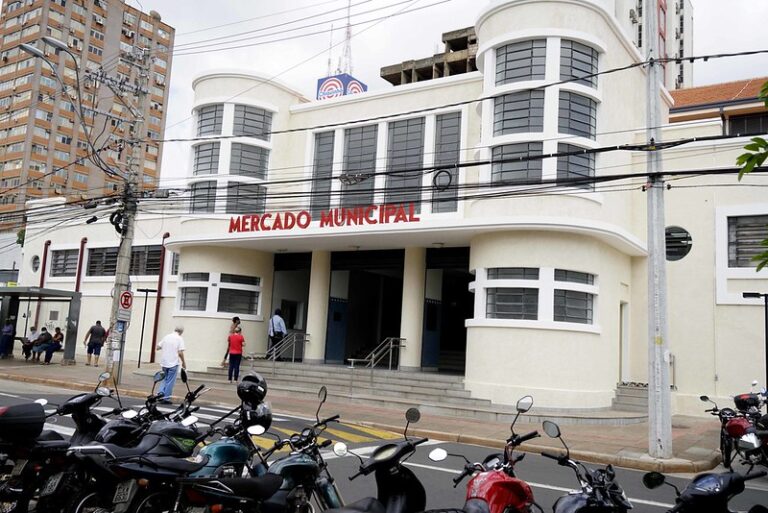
x,y
128,33
633,16
160,80
98,19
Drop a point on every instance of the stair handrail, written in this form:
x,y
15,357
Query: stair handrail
x,y
289,342
385,348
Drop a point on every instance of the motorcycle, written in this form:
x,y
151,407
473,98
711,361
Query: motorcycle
x,y
742,433
707,493
495,488
600,492
398,488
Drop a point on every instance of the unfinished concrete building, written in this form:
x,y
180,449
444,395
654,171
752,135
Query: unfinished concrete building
x,y
458,58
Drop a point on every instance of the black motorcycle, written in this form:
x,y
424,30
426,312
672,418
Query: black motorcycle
x,y
600,492
707,493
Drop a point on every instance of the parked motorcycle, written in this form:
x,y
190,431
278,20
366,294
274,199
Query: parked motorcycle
x,y
707,493
742,433
399,490
600,492
495,488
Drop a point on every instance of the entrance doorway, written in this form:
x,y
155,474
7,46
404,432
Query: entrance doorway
x,y
448,304
365,302
290,292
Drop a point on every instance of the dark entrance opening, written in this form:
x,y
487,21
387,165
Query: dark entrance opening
x,y
365,303
448,304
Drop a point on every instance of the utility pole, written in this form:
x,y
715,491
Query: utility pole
x,y
659,395
118,326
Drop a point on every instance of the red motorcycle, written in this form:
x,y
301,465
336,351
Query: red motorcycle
x,y
743,432
495,488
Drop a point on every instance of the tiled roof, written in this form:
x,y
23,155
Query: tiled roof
x,y
718,93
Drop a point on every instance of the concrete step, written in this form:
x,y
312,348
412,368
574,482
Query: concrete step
x,y
632,401
623,391
266,366
631,408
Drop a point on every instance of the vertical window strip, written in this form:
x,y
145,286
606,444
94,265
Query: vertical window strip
x,y
577,62
512,303
322,173
575,170
745,237
447,151
64,262
522,60
194,298
359,158
525,171
203,198
209,119
206,159
518,112
252,122
246,198
577,115
573,306
405,158
248,160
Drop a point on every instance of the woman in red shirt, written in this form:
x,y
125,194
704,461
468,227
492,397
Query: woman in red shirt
x,y
236,343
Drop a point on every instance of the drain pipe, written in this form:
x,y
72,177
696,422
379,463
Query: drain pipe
x,y
42,278
158,297
80,258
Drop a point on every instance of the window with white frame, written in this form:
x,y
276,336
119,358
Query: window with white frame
x,y
322,171
405,158
220,293
64,262
447,151
252,122
745,237
512,302
209,119
573,305
522,60
577,170
203,197
246,198
249,160
518,112
206,159
506,169
578,61
577,115
360,165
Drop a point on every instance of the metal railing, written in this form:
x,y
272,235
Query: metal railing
x,y
289,344
385,349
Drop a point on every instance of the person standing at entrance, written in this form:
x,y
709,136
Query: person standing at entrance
x,y
277,329
172,346
235,325
93,341
236,343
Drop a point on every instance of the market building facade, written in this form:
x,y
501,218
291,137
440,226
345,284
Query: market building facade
x,y
429,213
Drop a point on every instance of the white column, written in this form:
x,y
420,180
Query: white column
x,y
317,308
412,316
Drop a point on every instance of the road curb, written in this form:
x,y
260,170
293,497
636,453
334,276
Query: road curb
x,y
633,461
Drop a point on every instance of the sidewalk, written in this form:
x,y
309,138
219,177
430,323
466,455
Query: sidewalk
x,y
695,440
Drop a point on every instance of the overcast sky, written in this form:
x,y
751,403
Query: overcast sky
x,y
736,25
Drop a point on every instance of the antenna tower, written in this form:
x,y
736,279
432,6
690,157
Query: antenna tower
x,y
345,66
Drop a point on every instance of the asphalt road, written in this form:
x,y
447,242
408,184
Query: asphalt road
x,y
547,479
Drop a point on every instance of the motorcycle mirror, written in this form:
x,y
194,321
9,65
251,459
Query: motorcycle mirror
x,y
129,414
413,415
184,377
438,454
322,394
551,429
41,401
189,421
104,376
256,430
159,376
653,480
103,391
524,404
704,398
610,472
340,449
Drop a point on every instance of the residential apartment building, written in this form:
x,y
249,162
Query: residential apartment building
x,y
41,128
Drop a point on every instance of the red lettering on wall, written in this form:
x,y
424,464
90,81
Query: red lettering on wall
x,y
326,218
303,219
262,224
234,224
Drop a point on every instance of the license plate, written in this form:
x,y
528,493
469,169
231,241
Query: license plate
x,y
51,484
19,467
124,492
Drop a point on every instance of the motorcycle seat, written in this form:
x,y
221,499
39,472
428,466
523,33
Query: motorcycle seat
x,y
255,488
49,434
116,451
180,465
367,505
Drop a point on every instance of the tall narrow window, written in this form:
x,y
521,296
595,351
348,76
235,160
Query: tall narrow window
x,y
64,262
246,198
447,147
360,164
523,60
252,122
745,235
206,159
577,115
209,119
578,61
145,260
518,112
203,197
101,262
575,170
248,160
405,157
505,169
322,172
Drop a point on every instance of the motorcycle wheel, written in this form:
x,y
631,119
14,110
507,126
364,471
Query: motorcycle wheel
x,y
726,450
84,502
153,502
20,505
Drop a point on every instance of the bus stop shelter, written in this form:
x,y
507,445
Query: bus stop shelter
x,y
13,296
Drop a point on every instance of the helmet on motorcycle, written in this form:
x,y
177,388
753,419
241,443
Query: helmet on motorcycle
x,y
252,389
261,415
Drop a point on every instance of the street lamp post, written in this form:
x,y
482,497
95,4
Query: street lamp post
x,y
758,295
143,320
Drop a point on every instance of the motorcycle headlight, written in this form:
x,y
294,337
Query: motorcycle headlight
x,y
749,442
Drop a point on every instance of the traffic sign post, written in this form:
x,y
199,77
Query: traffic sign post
x,y
123,318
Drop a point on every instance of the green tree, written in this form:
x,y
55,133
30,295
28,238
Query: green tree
x,y
755,155
20,237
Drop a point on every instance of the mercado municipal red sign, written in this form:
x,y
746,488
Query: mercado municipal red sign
x,y
333,218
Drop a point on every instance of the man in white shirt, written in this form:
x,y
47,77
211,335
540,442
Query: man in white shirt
x,y
172,346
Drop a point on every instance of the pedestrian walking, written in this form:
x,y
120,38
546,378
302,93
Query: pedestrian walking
x,y
94,340
6,339
172,346
56,344
235,324
29,342
236,342
42,343
277,329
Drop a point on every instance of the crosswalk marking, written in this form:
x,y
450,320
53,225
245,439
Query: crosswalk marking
x,y
348,436
376,433
290,432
